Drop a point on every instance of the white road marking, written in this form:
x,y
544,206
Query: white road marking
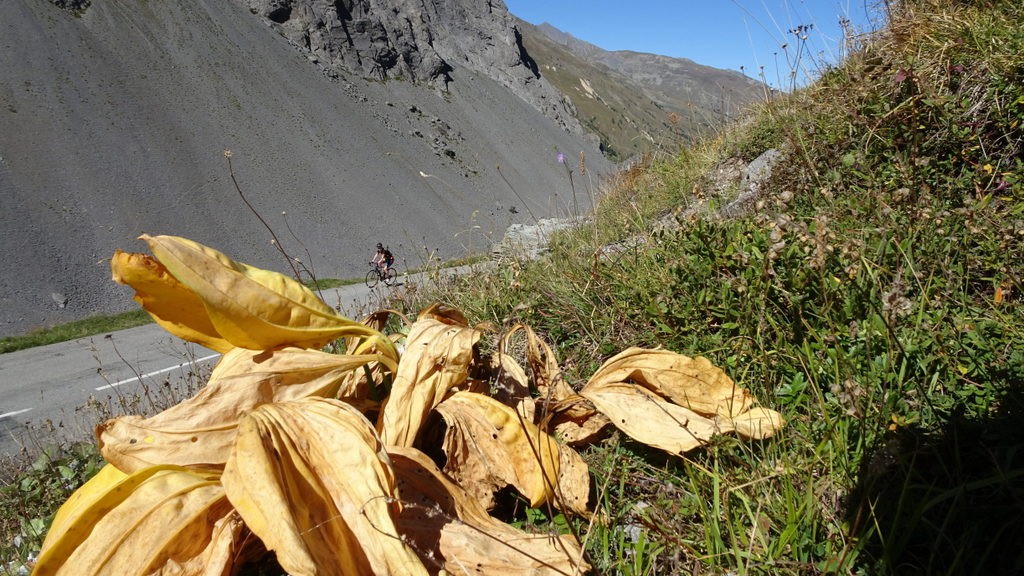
x,y
155,372
15,413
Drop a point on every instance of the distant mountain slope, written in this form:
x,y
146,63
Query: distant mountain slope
x,y
113,121
637,102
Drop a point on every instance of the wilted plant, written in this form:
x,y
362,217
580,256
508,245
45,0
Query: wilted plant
x,y
328,460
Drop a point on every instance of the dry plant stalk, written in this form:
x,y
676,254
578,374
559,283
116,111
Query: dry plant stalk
x,y
284,449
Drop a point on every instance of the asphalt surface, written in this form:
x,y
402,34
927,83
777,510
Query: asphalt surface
x,y
61,391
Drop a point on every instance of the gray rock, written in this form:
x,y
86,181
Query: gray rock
x,y
529,241
754,176
738,185
428,42
75,6
59,299
732,179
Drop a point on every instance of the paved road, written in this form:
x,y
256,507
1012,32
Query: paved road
x,y
63,390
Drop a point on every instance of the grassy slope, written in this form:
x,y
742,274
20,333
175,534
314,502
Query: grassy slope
x,y
625,120
874,296
72,330
629,120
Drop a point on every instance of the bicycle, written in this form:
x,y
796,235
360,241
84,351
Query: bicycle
x,y
377,275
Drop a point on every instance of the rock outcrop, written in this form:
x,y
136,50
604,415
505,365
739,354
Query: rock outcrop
x,y
75,6
529,241
427,42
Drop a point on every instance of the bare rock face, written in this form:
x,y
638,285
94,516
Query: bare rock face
x,y
425,42
524,241
349,34
71,5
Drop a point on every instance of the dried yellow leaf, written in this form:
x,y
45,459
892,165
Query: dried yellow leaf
x,y
254,308
93,499
574,421
201,430
509,380
230,546
547,376
489,445
171,304
162,519
557,409
758,423
693,383
651,419
443,314
674,402
446,523
437,356
313,482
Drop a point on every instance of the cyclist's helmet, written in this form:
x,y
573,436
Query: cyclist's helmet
x,y
379,245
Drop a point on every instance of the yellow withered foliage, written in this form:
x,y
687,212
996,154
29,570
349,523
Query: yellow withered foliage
x,y
245,306
567,416
694,383
547,376
757,423
437,355
510,383
575,421
321,458
201,430
674,402
164,518
489,445
650,419
312,480
471,539
84,502
171,304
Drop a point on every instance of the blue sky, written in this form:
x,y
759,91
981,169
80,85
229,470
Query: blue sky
x,y
721,33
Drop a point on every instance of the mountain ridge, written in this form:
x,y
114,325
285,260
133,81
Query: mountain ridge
x,y
671,77
638,102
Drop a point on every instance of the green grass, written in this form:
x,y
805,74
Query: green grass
x,y
873,295
328,283
72,330
30,501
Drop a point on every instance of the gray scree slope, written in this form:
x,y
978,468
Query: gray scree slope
x,y
113,122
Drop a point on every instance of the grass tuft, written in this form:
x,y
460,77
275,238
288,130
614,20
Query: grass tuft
x,y
72,330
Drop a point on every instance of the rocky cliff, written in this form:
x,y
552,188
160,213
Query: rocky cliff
x,y
114,117
429,42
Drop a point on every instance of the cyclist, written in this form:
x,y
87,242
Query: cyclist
x,y
383,258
